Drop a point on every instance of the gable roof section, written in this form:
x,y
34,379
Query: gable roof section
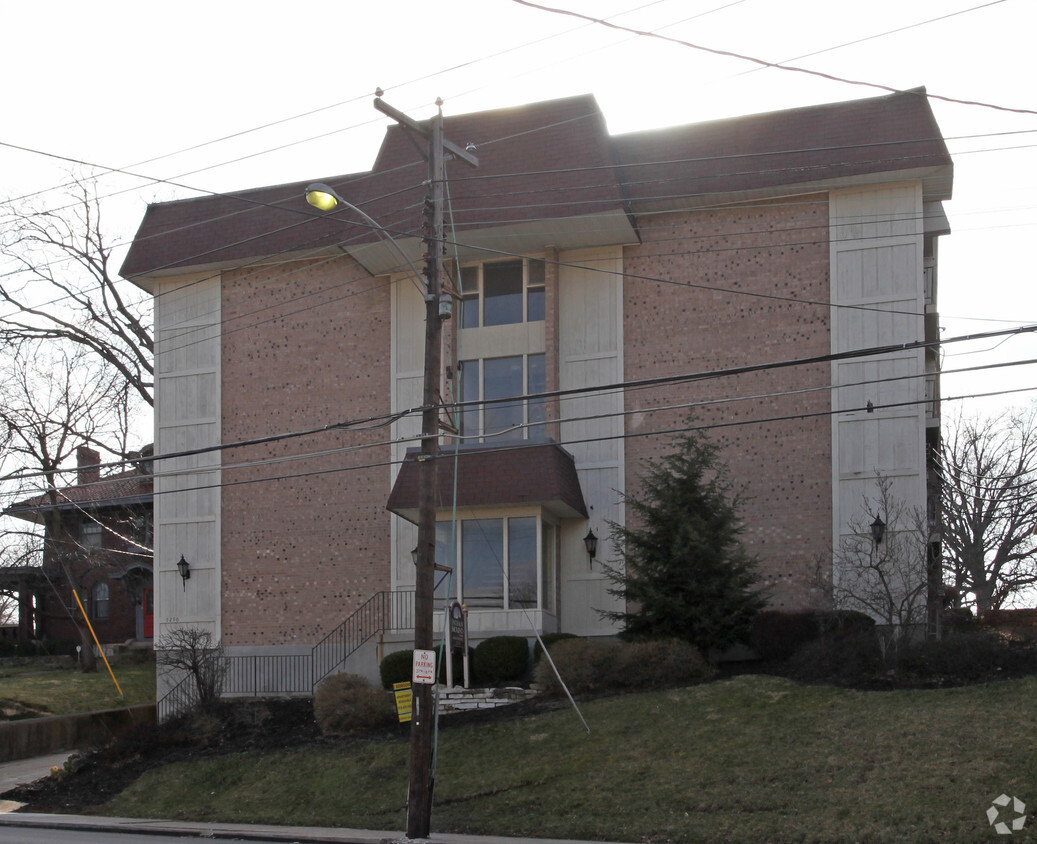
x,y
825,144
549,173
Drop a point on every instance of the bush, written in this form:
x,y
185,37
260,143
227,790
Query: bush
x,y
777,634
345,703
500,659
396,668
850,656
968,658
662,662
595,665
586,665
548,639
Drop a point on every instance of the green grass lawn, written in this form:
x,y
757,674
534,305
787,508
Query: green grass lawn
x,y
751,759
61,691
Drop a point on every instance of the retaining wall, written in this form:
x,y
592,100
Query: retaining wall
x,y
41,736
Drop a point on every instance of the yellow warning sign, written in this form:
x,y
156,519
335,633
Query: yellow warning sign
x,y
404,701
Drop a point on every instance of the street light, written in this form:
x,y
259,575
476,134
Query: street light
x,y
325,198
319,195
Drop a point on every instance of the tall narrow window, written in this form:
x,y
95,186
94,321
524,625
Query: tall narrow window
x,y
482,556
100,601
502,293
522,563
90,534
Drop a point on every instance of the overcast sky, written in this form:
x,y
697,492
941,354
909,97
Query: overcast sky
x,y
152,89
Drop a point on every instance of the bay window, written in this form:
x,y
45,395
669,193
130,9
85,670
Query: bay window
x,y
499,562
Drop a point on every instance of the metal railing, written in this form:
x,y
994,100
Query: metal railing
x,y
383,612
298,674
182,698
278,674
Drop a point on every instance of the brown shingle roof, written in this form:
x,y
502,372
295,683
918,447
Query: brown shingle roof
x,y
496,476
543,164
799,146
119,490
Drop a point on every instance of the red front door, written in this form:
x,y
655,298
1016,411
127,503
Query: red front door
x,y
147,600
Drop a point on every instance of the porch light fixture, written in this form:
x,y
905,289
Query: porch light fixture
x,y
184,568
878,530
591,543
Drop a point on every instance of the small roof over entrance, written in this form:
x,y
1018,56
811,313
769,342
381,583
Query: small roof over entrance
x,y
496,476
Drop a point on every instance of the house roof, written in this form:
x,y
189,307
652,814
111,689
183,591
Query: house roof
x,y
496,476
549,172
123,489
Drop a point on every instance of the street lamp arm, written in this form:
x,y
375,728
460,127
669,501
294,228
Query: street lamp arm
x,y
326,198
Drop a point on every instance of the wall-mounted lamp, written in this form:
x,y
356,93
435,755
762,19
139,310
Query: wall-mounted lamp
x,y
878,530
591,543
184,568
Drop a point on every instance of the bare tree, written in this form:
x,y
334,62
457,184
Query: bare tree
x,y
883,573
58,285
989,504
54,398
192,652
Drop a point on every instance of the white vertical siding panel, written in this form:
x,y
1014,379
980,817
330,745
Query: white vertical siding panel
x,y
876,265
187,416
590,340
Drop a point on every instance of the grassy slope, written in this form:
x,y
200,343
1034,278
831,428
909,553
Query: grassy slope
x,y
63,691
749,759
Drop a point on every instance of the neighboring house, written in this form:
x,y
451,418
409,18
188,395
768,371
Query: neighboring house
x,y
651,260
105,526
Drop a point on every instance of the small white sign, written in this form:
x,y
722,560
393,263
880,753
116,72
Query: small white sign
x,y
424,667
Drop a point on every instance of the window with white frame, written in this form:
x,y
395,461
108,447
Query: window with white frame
x,y
491,380
505,562
503,293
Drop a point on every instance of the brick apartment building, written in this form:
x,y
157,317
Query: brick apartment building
x,y
579,260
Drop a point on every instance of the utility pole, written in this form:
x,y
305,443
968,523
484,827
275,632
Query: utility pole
x,y
419,797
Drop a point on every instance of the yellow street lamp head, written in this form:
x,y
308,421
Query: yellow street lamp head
x,y
319,195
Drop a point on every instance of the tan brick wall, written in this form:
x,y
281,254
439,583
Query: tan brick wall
x,y
304,345
780,250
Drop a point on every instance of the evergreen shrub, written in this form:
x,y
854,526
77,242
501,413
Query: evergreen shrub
x,y
500,659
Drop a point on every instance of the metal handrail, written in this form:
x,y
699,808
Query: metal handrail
x,y
382,612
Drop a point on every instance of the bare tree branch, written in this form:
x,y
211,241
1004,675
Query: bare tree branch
x,y
989,503
58,284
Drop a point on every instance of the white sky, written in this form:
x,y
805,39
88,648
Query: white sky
x,y
116,83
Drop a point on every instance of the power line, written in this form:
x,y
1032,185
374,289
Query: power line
x,y
763,62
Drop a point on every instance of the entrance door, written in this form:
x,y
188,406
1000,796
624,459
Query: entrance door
x,y
147,601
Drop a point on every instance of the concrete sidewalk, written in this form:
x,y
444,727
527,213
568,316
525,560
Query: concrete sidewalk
x,y
261,832
23,771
